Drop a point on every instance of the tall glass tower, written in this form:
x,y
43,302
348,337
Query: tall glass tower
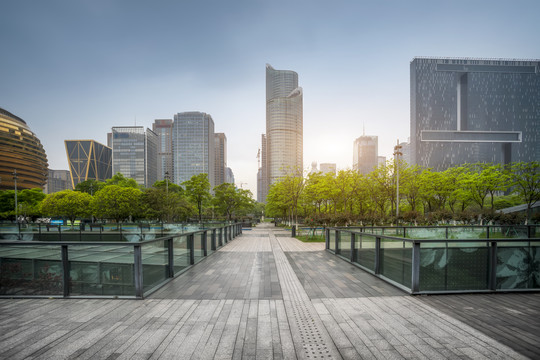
x,y
284,125
467,110
193,146
134,153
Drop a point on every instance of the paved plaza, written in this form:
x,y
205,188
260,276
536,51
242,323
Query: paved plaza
x,y
266,295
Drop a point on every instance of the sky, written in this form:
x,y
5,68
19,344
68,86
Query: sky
x,y
73,69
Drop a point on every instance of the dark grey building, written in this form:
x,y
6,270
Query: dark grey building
x,y
474,110
193,146
134,153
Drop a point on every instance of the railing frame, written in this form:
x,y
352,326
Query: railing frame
x,y
231,232
415,256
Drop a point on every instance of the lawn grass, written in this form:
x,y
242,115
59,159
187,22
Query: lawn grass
x,y
311,238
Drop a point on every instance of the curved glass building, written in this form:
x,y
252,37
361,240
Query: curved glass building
x,y
22,151
284,124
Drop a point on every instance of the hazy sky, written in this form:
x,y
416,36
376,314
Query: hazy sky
x,y
72,69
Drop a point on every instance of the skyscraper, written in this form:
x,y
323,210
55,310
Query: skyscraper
x,y
163,130
220,158
284,124
57,180
474,110
135,153
88,160
365,154
193,146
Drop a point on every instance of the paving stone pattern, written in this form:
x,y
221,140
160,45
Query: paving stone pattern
x,y
268,296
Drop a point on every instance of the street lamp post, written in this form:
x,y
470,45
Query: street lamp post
x,y
397,153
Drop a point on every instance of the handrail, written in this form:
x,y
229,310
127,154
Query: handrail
x,y
218,237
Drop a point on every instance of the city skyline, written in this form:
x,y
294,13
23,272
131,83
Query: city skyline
x,y
73,71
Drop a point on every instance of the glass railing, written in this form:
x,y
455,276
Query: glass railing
x,y
128,269
441,263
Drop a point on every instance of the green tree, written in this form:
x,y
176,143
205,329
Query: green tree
x,y
122,181
90,186
165,204
230,200
525,178
67,203
117,202
198,190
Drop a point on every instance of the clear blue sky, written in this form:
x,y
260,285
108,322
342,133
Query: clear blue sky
x,y
73,69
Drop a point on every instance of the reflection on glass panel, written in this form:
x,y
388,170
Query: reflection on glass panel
x,y
101,270
198,246
365,250
426,233
181,253
454,266
332,240
155,261
345,244
395,261
31,270
518,265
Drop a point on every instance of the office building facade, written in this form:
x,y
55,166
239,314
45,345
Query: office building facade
x,y
22,155
365,154
58,180
134,152
193,146
220,158
284,125
88,160
163,130
474,110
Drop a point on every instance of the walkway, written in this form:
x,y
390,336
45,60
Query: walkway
x,y
265,295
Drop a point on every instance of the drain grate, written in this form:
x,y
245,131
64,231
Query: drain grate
x,y
312,340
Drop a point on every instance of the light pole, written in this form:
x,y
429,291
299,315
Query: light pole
x,y
397,153
16,205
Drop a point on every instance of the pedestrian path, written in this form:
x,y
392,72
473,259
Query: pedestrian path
x,y
268,296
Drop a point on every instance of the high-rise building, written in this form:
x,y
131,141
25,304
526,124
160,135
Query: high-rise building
x,y
284,124
220,158
135,153
58,180
326,168
193,146
163,130
22,157
474,110
88,160
229,176
365,154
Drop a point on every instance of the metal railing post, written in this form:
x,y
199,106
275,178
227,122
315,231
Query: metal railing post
x,y
377,255
220,237
138,268
213,240
492,273
327,238
65,271
225,234
353,247
415,280
191,249
337,236
204,239
170,252
487,232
